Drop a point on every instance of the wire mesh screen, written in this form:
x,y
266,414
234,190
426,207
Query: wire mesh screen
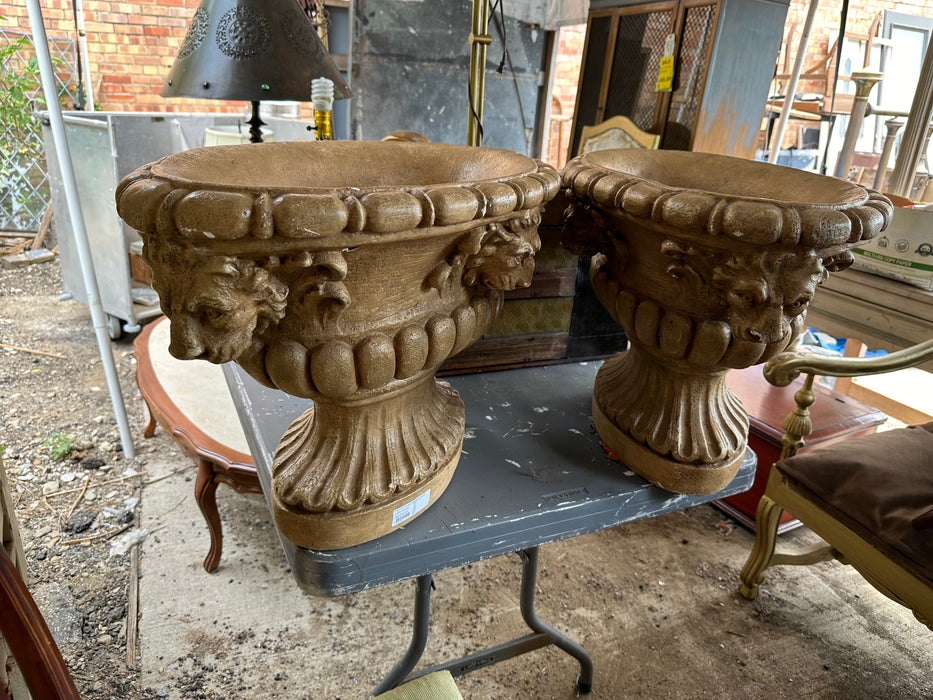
x,y
689,77
635,64
24,187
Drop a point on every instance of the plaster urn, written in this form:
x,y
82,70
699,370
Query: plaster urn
x,y
709,263
344,272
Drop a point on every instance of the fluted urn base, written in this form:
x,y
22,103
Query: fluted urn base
x,y
683,431
348,472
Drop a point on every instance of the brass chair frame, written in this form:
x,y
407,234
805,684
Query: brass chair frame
x,y
843,544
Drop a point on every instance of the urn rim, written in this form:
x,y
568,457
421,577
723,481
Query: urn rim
x,y
255,167
729,177
446,186
689,194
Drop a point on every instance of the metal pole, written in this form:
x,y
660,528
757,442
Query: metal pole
x,y
892,125
864,82
351,28
908,155
479,40
82,50
775,146
85,258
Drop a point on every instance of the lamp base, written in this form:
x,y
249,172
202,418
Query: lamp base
x,y
255,124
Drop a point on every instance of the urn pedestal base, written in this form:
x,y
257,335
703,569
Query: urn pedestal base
x,y
684,432
338,529
347,473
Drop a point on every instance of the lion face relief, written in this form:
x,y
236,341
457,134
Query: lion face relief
x,y
505,258
218,307
765,293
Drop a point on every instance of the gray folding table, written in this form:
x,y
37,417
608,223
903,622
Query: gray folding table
x,y
532,471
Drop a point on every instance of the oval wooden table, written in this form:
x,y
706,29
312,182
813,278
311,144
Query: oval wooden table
x,y
190,400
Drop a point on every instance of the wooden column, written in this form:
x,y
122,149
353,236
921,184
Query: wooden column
x,y
864,82
892,125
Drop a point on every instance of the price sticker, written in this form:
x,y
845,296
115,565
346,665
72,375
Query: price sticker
x,y
411,509
666,70
666,74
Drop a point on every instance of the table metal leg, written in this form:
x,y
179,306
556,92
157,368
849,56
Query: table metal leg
x,y
419,637
542,635
527,604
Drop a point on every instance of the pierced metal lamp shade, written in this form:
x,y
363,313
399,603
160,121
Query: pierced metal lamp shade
x,y
252,50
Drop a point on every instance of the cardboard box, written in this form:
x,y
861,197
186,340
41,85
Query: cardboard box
x,y
903,251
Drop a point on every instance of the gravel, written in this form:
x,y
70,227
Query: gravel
x,y
62,454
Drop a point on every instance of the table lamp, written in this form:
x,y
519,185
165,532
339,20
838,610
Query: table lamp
x,y
251,50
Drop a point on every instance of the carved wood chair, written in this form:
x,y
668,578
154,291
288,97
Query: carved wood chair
x,y
23,630
870,498
616,132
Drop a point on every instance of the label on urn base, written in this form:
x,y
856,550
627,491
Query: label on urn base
x,y
411,509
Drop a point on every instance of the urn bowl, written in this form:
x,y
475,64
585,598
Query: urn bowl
x,y
709,263
345,272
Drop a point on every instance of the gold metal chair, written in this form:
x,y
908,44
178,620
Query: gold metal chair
x,y
870,498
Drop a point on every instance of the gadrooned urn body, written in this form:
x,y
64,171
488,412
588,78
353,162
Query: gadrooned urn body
x,y
709,263
346,272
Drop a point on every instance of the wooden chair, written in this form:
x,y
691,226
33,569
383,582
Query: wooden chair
x,y
23,630
616,132
870,498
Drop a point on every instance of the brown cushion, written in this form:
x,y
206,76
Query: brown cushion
x,y
876,485
923,522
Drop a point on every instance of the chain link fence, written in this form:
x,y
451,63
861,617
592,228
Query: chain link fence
x,y
24,184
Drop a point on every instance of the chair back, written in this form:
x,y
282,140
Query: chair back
x,y
616,132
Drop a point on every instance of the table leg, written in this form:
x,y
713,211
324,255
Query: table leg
x,y
205,490
543,635
419,636
527,604
151,427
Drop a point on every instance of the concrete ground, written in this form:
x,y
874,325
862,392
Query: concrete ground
x,y
654,603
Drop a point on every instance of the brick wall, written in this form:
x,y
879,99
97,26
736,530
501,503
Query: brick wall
x,y
566,76
131,47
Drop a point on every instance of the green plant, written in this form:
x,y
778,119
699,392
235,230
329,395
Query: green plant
x,y
19,99
23,180
58,445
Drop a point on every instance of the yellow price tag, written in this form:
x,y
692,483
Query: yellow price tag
x,y
666,74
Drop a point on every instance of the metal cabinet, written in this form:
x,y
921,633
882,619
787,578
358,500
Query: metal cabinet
x,y
105,147
724,53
